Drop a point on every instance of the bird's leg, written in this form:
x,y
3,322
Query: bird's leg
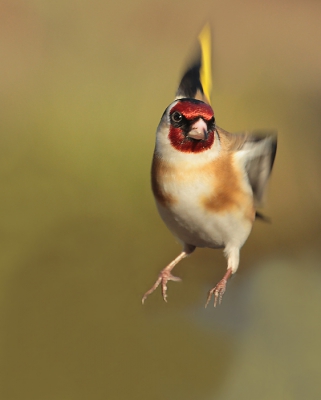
x,y
233,255
165,275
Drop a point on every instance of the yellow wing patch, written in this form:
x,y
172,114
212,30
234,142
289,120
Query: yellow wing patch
x,y
206,68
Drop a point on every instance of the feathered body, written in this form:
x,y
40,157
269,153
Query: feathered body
x,y
207,182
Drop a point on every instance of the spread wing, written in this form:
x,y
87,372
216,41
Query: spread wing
x,y
196,82
258,150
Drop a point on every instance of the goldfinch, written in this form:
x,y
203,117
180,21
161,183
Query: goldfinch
x,y
207,182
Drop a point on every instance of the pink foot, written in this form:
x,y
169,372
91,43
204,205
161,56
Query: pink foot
x,y
218,292
163,278
219,289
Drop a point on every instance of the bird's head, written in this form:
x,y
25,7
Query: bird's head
x,y
191,125
187,125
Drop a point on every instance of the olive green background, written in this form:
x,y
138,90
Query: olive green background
x,y
83,85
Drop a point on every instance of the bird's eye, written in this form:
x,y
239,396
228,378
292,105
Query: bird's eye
x,y
212,122
176,117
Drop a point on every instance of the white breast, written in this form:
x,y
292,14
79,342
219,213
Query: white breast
x,y
192,223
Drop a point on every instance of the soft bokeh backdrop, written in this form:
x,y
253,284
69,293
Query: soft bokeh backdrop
x,y
83,85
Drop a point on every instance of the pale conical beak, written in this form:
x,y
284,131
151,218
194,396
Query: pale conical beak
x,y
199,130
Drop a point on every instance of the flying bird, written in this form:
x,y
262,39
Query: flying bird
x,y
207,182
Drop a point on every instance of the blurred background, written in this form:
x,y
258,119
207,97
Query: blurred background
x,y
82,88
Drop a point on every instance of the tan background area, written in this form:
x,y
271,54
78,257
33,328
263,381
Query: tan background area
x,y
83,85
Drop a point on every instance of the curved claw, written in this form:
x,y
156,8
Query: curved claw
x,y
219,289
166,275
163,278
218,292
